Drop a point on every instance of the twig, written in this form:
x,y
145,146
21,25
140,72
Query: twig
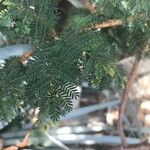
x,y
26,56
57,142
114,22
33,116
124,98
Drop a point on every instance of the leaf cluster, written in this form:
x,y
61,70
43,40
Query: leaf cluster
x,y
81,53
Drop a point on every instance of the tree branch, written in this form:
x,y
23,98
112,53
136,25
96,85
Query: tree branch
x,y
33,116
124,98
115,22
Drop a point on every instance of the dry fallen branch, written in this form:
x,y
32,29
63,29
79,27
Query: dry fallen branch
x,y
90,139
22,144
135,147
89,109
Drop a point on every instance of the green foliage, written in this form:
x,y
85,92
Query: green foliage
x,y
80,54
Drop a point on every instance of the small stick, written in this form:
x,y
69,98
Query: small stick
x,y
113,23
26,56
33,116
57,142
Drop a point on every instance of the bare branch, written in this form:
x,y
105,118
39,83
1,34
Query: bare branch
x,y
124,98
